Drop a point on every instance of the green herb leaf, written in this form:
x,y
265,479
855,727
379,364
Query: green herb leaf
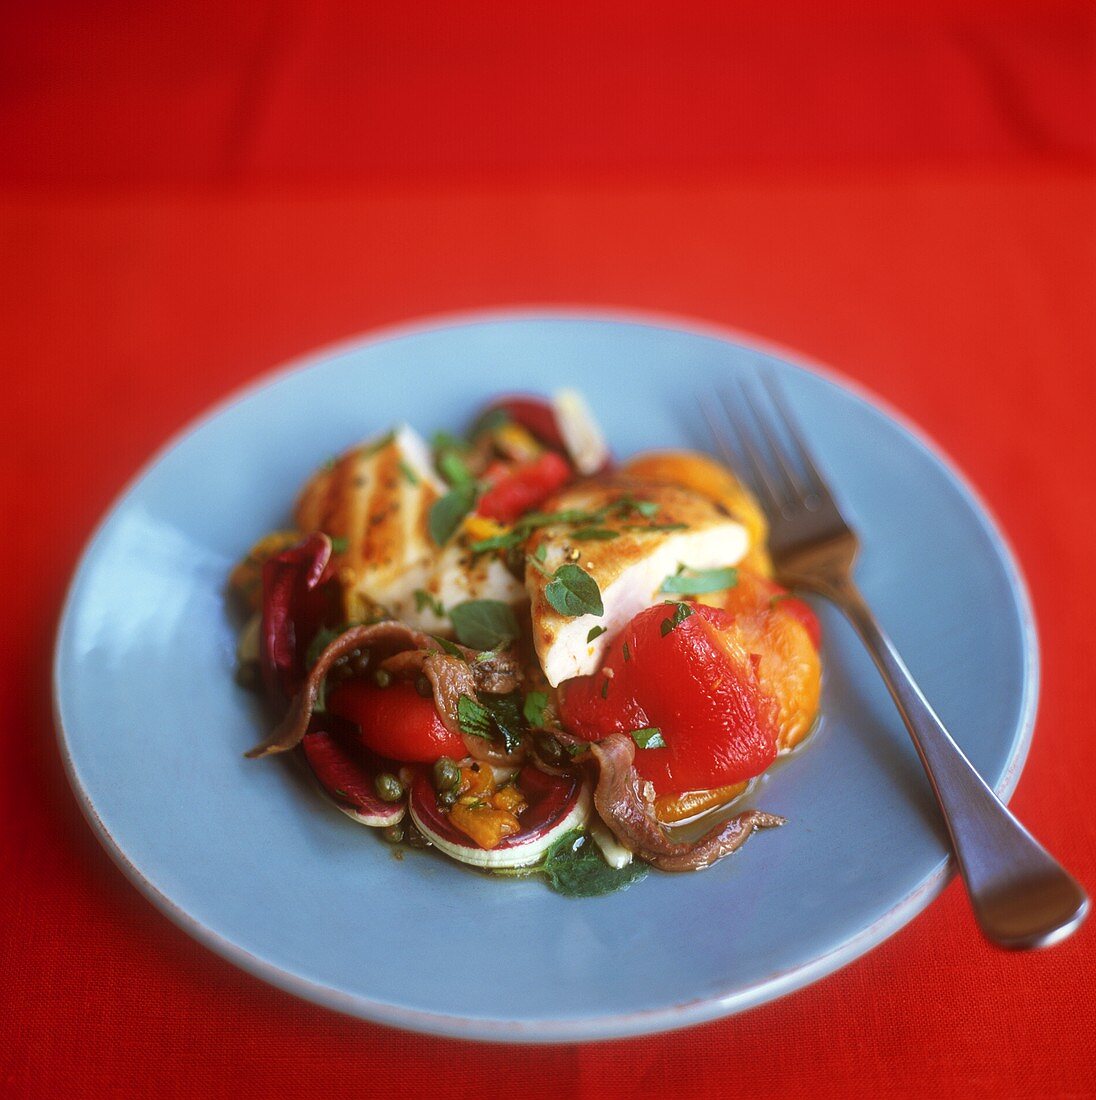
x,y
447,513
448,647
628,504
572,592
338,544
656,527
627,652
533,709
484,624
499,542
605,687
595,632
453,468
540,553
650,738
423,599
576,868
474,718
696,583
681,612
507,715
594,534
410,476
535,561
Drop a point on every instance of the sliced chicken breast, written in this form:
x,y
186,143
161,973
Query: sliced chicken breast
x,y
374,502
655,529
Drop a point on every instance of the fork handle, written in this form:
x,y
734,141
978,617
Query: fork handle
x,y
1021,896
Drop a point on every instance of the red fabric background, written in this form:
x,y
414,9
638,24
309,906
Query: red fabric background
x,y
187,199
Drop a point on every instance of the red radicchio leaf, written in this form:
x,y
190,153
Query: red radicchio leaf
x,y
294,607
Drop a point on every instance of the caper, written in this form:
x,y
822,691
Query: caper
x,y
447,797
393,834
551,751
389,788
446,774
424,687
383,677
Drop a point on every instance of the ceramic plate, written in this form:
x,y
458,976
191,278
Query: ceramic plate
x,y
250,861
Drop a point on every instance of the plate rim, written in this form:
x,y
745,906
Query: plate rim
x,y
572,1029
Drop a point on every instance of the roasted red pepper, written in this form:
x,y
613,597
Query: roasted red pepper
x,y
678,668
395,721
524,486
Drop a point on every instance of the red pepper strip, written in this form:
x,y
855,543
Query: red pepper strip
x,y
524,487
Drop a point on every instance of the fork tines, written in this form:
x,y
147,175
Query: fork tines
x,y
759,436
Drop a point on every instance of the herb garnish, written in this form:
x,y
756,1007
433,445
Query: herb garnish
x,y
688,582
649,738
484,624
656,527
681,612
533,708
496,717
410,476
594,534
572,592
473,718
423,599
338,544
627,652
595,632
448,647
447,513
576,868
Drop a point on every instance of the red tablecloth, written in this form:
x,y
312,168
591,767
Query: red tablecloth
x,y
189,198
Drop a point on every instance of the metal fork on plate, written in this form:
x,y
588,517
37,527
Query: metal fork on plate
x,y
1021,896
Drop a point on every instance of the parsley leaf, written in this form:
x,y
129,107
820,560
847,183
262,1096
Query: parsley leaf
x,y
576,868
650,738
595,632
447,513
339,544
697,582
681,612
572,592
409,475
484,624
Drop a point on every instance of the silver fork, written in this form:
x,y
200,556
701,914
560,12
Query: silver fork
x,y
1021,896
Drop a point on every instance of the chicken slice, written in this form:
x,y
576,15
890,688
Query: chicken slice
x,y
657,528
374,502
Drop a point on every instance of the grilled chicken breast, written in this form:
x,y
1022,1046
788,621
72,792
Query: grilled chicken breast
x,y
656,528
374,502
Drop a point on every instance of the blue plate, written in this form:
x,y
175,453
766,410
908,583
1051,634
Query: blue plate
x,y
250,861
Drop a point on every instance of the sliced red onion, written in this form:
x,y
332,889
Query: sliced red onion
x,y
555,804
293,609
347,774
